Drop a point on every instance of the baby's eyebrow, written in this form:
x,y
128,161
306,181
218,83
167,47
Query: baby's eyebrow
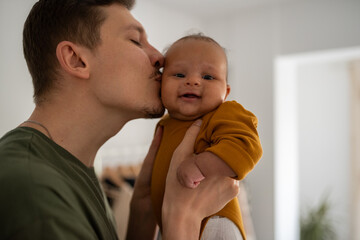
x,y
208,66
179,63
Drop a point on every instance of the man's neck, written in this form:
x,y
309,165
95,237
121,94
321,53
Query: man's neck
x,y
78,129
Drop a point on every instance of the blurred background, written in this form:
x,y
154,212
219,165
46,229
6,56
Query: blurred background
x,y
294,63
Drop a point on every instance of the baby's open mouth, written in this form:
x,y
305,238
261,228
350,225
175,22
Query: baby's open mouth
x,y
190,95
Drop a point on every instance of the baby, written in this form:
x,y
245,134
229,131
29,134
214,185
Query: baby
x,y
194,85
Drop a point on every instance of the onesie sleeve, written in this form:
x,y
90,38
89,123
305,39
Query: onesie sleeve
x,y
234,137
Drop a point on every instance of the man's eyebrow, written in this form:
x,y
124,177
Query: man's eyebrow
x,y
135,27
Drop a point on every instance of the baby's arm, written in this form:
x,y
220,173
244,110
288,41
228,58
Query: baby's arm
x,y
192,171
234,146
210,165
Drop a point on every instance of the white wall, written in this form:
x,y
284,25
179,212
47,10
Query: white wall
x,y
164,25
15,82
303,83
324,140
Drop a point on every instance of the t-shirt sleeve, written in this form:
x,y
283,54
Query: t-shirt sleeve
x,y
38,211
234,137
52,228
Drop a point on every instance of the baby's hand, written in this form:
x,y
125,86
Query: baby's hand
x,y
189,174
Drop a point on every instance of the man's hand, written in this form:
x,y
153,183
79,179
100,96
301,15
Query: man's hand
x,y
184,208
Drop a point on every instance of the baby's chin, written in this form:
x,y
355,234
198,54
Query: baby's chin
x,y
185,117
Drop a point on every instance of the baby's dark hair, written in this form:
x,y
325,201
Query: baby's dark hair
x,y
196,36
199,36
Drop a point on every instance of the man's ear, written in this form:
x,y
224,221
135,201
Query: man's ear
x,y
227,90
72,59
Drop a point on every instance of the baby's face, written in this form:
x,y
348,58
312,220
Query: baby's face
x,y
194,79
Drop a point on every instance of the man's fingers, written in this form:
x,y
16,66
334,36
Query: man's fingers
x,y
225,189
186,147
184,150
233,188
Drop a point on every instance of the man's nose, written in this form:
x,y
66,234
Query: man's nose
x,y
156,58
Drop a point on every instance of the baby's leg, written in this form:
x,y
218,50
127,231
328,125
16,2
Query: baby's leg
x,y
221,228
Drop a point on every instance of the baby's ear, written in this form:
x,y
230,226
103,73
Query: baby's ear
x,y
227,91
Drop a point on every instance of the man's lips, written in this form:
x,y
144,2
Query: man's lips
x,y
156,75
158,78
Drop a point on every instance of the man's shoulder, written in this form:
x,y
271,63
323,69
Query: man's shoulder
x,y
32,193
24,180
24,168
38,184
35,199
20,160
13,142
27,174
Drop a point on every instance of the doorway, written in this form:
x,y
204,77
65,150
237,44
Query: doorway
x,y
313,153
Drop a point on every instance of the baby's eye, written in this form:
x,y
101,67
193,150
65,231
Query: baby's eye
x,y
208,77
179,75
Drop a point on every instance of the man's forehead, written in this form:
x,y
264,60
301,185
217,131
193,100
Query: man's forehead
x,y
123,17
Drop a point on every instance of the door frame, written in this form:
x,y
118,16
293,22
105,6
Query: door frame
x,y
355,147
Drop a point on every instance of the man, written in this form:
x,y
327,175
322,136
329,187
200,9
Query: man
x,y
93,70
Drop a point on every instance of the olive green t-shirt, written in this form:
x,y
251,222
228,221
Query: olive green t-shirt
x,y
47,193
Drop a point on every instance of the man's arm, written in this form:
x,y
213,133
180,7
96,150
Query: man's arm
x,y
142,222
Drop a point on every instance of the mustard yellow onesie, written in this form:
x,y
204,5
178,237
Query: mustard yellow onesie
x,y
228,132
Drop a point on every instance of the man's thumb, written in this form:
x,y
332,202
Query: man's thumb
x,y
187,144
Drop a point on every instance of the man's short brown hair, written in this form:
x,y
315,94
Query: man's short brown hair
x,y
52,21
